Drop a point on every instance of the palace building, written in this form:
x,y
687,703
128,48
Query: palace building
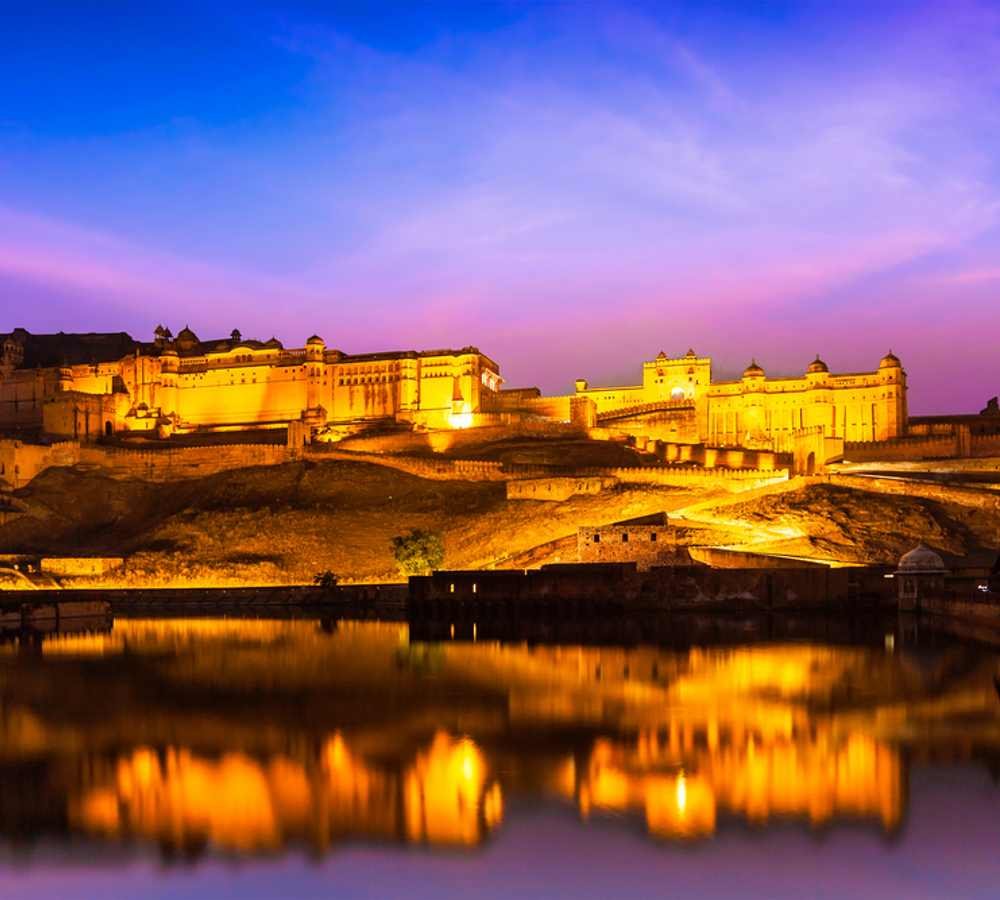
x,y
679,398
89,386
86,386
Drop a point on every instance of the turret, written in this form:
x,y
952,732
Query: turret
x,y
753,376
166,397
315,350
817,371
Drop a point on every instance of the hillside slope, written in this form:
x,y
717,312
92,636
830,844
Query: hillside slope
x,y
282,524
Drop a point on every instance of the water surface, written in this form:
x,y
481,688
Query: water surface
x,y
254,758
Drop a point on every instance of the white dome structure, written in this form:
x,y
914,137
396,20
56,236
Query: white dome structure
x,y
921,560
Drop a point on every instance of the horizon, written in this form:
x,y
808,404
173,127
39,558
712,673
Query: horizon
x,y
550,184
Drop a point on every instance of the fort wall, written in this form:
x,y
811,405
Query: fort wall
x,y
557,488
21,462
434,469
174,463
683,476
644,545
949,441
494,428
80,566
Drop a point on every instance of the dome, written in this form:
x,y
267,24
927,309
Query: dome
x,y
817,365
753,370
921,560
316,339
690,354
889,361
187,339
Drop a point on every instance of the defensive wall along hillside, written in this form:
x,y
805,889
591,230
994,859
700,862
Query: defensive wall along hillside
x,y
961,444
22,462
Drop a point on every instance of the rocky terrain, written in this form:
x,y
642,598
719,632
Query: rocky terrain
x,y
283,524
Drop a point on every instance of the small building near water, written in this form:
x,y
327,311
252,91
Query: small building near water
x,y
920,576
646,541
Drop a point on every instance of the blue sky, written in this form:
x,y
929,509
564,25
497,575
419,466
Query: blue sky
x,y
572,187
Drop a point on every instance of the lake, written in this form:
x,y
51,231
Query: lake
x,y
211,758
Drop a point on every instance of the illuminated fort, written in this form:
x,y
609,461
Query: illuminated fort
x,y
90,385
86,386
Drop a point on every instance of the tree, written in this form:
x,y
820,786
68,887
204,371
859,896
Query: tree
x,y
325,580
418,552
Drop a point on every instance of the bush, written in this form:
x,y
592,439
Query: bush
x,y
325,580
419,552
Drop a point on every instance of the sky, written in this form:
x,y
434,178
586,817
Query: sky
x,y
571,187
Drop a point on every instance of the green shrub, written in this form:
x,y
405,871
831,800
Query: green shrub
x,y
419,552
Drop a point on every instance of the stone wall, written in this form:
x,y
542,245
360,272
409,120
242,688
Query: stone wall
x,y
645,545
683,476
556,487
424,467
900,449
961,441
726,558
80,566
173,463
500,427
20,462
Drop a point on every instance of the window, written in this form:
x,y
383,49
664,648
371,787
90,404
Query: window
x,y
625,537
451,588
652,536
597,539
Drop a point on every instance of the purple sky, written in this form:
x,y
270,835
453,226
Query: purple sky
x,y
570,187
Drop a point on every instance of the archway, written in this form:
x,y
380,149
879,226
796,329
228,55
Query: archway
x,y
811,463
109,429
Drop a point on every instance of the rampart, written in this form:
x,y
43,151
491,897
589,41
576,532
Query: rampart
x,y
557,487
960,442
502,427
20,462
424,467
174,463
682,476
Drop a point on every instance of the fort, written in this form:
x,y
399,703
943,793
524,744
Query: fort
x,y
231,462
60,390
92,386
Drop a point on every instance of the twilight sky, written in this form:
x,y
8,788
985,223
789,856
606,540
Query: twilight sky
x,y
572,187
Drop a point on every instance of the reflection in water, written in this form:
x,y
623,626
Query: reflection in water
x,y
182,800
248,736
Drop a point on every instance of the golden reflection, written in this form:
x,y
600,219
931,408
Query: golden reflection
x,y
813,777
445,794
238,804
248,736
